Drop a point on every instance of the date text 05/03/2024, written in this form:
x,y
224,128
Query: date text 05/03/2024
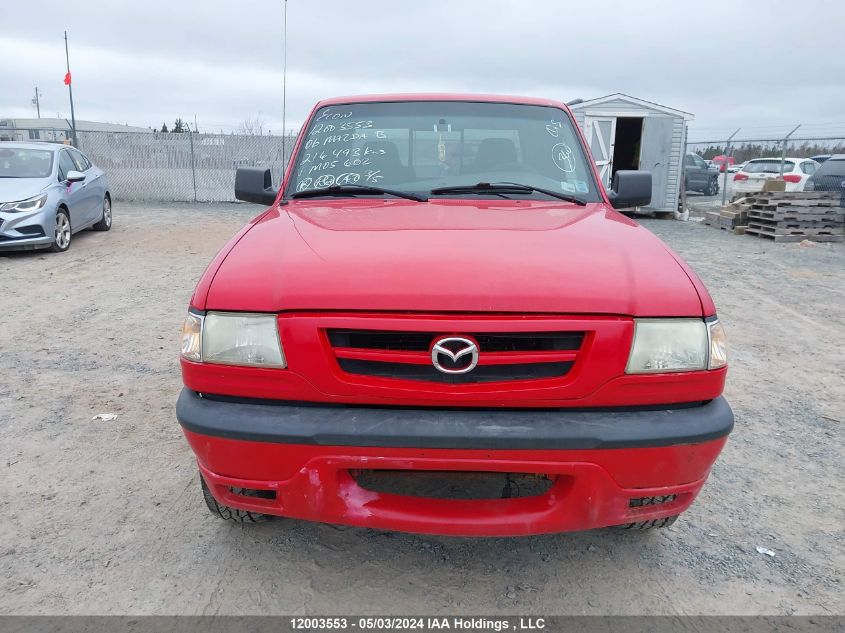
x,y
456,623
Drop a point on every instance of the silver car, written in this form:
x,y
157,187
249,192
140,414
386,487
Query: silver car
x,y
48,192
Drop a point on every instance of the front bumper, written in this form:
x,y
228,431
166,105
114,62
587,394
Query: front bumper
x,y
36,230
598,461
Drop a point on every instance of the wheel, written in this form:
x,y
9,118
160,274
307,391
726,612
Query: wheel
x,y
61,242
712,188
231,514
650,525
105,222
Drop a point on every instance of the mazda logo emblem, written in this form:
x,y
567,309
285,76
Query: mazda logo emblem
x,y
454,354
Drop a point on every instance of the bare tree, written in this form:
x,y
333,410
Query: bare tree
x,y
253,125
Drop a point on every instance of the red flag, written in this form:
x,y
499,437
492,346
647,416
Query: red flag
x,y
67,79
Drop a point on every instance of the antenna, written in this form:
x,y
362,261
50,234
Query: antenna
x,y
284,86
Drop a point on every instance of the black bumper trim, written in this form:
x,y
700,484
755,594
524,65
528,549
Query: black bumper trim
x,y
556,429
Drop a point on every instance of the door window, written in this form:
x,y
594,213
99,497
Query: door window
x,y
808,168
694,160
79,159
65,165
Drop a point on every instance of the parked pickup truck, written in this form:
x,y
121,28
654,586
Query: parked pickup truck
x,y
441,325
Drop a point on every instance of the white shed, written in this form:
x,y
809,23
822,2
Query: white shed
x,y
625,132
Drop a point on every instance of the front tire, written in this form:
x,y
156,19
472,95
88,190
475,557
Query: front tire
x,y
105,221
712,188
227,513
62,236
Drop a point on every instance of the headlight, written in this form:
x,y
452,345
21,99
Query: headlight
x,y
30,204
809,186
668,345
232,339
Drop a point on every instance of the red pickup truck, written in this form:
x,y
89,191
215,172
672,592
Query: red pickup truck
x,y
442,325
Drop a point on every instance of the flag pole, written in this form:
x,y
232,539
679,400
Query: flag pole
x,y
70,92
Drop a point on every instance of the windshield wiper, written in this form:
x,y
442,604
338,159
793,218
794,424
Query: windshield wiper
x,y
339,190
505,187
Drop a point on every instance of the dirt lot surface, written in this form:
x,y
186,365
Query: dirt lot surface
x,y
106,517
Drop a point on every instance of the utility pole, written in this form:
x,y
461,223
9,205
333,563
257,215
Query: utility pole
x,y
193,157
36,102
783,149
284,89
68,81
727,155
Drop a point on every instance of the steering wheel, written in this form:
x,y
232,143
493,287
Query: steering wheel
x,y
509,167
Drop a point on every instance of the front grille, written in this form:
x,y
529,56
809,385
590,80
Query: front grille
x,y
502,356
428,373
487,341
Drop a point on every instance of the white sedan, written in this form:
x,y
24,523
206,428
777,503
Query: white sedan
x,y
755,173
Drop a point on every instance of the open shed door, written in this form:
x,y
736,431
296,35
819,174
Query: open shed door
x,y
601,134
654,157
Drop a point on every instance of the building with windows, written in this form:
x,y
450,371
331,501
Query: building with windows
x,y
49,129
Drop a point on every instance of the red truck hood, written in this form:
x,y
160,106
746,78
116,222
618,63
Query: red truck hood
x,y
451,255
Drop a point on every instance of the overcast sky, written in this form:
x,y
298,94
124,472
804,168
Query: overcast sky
x,y
762,66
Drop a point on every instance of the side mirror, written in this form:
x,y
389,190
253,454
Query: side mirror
x,y
75,176
630,189
253,184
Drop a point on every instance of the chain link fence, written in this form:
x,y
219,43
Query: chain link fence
x,y
190,167
736,151
744,150
168,167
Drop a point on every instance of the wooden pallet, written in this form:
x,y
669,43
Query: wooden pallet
x,y
732,217
770,204
727,224
798,224
797,213
799,195
796,238
785,234
711,218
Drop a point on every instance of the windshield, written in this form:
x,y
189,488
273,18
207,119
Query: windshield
x,y
832,167
417,146
25,163
767,166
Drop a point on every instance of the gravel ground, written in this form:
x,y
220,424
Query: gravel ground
x,y
107,518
